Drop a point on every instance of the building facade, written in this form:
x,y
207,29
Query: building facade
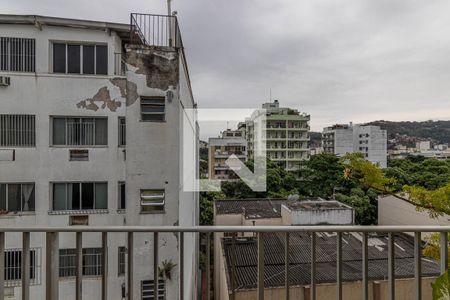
x,y
286,135
220,149
369,140
90,134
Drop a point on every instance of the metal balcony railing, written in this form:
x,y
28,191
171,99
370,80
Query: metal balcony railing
x,y
51,270
155,30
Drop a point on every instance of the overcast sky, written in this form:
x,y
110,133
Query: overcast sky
x,y
340,61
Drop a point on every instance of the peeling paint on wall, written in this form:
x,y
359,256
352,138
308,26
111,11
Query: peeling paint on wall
x,y
160,67
103,96
128,89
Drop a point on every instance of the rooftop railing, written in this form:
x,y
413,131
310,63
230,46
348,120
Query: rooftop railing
x,y
51,268
155,30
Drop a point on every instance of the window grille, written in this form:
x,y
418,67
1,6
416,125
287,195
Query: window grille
x,y
121,263
80,131
17,54
122,132
92,262
153,108
17,131
13,267
148,291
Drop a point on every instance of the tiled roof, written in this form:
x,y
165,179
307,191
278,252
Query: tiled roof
x,y
300,259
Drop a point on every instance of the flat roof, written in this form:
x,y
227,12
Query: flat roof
x,y
38,21
246,257
316,205
251,208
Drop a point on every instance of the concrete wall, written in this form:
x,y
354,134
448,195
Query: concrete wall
x,y
153,155
404,290
396,211
316,216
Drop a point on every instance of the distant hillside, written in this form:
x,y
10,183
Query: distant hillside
x,y
437,131
315,139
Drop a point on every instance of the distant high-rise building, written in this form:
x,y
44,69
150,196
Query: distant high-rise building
x,y
286,136
369,140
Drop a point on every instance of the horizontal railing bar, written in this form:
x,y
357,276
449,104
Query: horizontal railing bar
x,y
406,228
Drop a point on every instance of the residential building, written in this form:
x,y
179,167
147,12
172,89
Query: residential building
x,y
220,149
236,259
286,135
90,134
369,140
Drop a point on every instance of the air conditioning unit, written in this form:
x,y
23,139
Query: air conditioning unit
x,y
5,81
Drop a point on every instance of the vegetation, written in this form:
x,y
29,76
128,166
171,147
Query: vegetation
x,y
439,131
351,180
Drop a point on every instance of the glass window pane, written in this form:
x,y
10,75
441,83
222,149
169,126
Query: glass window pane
x,y
59,131
59,196
122,196
73,59
73,196
14,197
101,195
3,197
88,59
59,58
87,195
101,131
102,60
27,197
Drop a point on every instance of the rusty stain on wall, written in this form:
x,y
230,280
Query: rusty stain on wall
x,y
103,96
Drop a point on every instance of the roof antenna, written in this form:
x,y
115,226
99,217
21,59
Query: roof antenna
x,y
270,100
169,7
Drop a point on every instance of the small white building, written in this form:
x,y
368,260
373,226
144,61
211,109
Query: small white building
x,y
369,140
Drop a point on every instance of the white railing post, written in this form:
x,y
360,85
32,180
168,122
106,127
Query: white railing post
x,y
391,266
2,265
52,266
444,252
260,266
130,270
155,265
104,265
25,266
339,265
365,266
418,264
79,266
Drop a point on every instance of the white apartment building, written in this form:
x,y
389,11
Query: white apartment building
x,y
90,134
369,140
220,149
286,135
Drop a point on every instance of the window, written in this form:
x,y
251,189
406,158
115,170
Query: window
x,y
78,155
122,132
17,131
153,109
17,197
152,200
80,131
80,59
122,202
92,262
13,264
121,257
148,291
17,54
80,195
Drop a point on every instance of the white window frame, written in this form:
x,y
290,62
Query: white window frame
x,y
80,199
21,195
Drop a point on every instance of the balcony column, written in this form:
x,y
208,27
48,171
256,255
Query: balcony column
x,y
52,266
